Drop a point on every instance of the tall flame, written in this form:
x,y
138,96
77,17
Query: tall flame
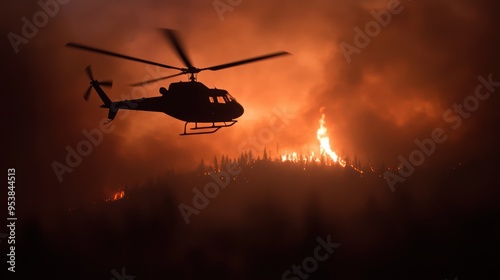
x,y
324,148
324,142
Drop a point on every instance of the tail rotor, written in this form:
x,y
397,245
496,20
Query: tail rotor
x,y
94,83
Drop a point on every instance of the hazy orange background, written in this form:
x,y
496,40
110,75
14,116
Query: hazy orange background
x,y
393,92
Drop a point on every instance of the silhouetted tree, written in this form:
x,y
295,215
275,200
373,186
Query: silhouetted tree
x,y
223,162
250,157
244,158
216,164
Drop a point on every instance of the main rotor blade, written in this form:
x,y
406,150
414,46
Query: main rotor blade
x,y
87,93
89,72
106,83
240,62
87,48
176,43
155,80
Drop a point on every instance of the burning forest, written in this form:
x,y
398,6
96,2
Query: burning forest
x,y
361,144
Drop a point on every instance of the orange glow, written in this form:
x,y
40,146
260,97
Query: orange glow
x,y
117,196
324,142
294,157
325,151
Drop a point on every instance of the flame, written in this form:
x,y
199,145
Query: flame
x,y
117,196
324,142
325,151
294,157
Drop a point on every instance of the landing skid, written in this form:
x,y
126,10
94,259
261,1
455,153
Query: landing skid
x,y
207,129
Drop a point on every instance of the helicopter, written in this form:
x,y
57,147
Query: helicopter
x,y
209,109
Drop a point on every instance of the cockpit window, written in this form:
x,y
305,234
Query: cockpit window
x,y
211,99
221,100
230,98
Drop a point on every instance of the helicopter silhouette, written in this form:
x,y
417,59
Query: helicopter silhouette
x,y
191,102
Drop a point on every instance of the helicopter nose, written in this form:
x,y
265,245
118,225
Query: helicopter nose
x,y
238,110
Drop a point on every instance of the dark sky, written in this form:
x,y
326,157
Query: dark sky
x,y
394,90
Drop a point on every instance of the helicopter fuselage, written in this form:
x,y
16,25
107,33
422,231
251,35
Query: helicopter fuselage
x,y
187,101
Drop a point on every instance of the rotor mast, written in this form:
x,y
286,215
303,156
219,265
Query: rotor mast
x,y
192,73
